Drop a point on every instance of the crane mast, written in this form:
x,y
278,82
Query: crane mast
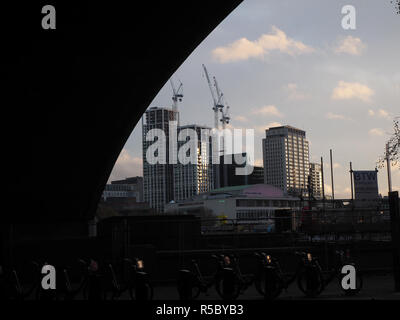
x,y
221,105
177,94
215,104
225,117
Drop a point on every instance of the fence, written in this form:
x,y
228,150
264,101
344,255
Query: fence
x,y
323,224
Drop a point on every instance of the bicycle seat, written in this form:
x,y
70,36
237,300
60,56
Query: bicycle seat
x,y
228,269
184,271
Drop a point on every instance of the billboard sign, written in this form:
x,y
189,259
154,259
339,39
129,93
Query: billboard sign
x,y
366,185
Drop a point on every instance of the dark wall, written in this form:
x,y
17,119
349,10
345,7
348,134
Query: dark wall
x,y
164,232
72,96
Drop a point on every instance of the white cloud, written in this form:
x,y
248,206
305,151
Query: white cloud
x,y
377,132
294,92
350,45
334,116
342,192
230,126
261,129
381,113
336,165
327,189
126,166
240,119
243,49
269,110
350,90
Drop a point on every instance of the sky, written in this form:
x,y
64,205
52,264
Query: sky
x,y
290,62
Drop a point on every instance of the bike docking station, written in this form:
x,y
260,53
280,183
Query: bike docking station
x,y
269,280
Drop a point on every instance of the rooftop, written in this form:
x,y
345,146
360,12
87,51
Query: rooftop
x,y
248,191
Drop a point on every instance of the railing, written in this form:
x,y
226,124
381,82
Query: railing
x,y
328,225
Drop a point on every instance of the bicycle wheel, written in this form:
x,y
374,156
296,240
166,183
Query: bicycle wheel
x,y
258,283
228,287
130,291
144,292
150,291
310,281
188,285
195,292
272,286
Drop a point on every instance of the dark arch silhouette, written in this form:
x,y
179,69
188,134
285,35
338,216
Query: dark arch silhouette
x,y
72,96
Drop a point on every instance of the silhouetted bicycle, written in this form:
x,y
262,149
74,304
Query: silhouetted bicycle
x,y
17,290
309,275
115,286
269,280
191,283
93,288
70,291
229,280
139,285
27,285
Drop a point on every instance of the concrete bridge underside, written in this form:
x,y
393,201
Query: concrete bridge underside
x,y
71,96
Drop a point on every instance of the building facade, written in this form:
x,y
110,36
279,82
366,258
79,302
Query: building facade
x,y
228,176
193,178
316,180
127,188
257,176
259,203
158,178
286,159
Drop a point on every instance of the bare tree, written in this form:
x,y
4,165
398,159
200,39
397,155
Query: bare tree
x,y
396,5
393,152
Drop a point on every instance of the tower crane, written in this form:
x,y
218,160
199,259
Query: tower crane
x,y
223,108
177,94
216,96
225,117
219,105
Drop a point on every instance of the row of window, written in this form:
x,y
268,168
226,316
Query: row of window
x,y
265,203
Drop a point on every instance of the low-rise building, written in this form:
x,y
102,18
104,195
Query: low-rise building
x,y
242,203
127,188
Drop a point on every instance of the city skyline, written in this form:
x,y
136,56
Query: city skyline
x,y
337,85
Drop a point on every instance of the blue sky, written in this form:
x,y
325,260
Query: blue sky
x,y
291,62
